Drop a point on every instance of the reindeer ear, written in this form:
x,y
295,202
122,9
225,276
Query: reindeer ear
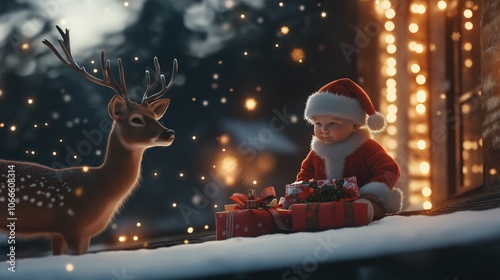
x,y
117,108
159,107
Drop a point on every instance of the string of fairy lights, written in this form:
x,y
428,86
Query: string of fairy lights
x,y
416,53
417,132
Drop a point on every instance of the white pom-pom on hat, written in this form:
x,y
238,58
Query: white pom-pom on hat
x,y
346,99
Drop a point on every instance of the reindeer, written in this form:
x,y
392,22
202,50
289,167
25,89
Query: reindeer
x,y
71,205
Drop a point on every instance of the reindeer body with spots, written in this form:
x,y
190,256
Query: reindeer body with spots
x,y
71,205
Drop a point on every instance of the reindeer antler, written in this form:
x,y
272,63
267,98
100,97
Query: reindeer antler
x,y
158,76
108,79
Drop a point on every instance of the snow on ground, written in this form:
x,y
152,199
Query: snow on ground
x,y
394,234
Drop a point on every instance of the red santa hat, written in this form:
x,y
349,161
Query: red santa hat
x,y
346,99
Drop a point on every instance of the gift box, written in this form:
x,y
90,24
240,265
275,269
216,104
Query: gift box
x,y
252,222
328,215
343,189
252,216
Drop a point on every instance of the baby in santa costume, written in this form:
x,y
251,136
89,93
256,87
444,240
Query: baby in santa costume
x,y
342,146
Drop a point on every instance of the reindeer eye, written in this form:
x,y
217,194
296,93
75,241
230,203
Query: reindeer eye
x,y
137,120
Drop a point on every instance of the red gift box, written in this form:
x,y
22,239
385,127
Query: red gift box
x,y
328,215
252,222
343,189
252,216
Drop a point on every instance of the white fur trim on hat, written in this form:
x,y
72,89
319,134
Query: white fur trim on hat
x,y
376,122
323,103
391,200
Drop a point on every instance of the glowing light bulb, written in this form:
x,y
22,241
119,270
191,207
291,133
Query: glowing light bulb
x,y
392,109
467,13
392,130
425,167
391,118
390,39
250,104
467,46
420,108
421,144
386,4
413,27
419,48
391,71
415,68
427,205
391,61
420,79
391,49
468,63
390,13
391,96
190,230
392,144
441,5
421,96
426,191
390,83
389,26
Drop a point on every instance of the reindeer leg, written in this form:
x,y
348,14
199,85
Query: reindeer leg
x,y
59,245
78,244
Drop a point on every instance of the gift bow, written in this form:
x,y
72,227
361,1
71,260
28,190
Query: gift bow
x,y
266,198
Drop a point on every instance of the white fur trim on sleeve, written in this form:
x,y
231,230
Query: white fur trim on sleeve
x,y
391,200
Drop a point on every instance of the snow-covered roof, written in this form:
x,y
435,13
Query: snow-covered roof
x,y
391,235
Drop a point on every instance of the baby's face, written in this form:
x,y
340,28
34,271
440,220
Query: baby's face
x,y
331,129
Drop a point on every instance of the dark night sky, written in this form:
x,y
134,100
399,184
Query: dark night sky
x,y
208,102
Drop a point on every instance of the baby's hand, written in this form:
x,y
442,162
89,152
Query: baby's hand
x,y
370,197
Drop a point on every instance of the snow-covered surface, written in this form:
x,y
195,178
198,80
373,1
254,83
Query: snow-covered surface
x,y
395,234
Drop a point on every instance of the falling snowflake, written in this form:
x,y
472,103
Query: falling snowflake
x,y
455,36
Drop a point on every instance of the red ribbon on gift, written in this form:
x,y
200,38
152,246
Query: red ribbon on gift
x,y
253,202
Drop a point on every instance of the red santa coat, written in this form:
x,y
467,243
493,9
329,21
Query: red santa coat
x,y
359,156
